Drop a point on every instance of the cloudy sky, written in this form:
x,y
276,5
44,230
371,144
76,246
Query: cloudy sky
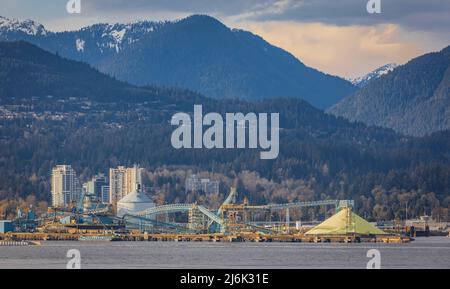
x,y
336,36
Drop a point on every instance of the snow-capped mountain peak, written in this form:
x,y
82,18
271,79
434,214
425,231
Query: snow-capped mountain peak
x,y
377,73
117,36
27,27
91,42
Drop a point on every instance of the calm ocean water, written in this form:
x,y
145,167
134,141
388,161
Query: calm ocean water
x,y
423,253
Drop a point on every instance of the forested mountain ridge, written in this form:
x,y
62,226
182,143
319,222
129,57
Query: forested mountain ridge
x,y
414,99
197,53
27,71
321,156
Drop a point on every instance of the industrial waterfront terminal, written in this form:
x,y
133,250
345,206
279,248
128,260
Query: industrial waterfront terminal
x,y
84,215
137,219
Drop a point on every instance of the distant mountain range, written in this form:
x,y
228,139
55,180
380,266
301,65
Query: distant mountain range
x,y
413,99
198,53
12,28
377,73
201,54
28,72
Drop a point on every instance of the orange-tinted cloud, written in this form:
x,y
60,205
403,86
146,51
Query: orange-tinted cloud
x,y
346,51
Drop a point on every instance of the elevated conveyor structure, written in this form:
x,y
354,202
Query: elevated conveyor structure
x,y
144,223
181,208
216,221
337,203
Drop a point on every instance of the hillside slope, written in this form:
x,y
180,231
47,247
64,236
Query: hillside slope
x,y
198,53
414,99
88,126
27,71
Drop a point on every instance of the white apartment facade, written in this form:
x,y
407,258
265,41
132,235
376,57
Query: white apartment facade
x,y
65,185
123,181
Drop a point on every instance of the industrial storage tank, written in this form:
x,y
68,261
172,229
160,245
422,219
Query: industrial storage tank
x,y
134,203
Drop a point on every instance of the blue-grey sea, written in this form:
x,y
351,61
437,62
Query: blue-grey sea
x,y
433,252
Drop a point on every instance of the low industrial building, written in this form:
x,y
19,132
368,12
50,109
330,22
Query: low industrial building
x,y
6,227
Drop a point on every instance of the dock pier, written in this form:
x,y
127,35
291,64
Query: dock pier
x,y
226,238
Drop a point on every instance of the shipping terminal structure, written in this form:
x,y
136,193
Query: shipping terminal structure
x,y
137,218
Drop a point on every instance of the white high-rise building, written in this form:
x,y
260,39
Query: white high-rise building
x,y
65,186
123,181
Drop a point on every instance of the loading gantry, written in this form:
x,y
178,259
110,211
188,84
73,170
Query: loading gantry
x,y
229,217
